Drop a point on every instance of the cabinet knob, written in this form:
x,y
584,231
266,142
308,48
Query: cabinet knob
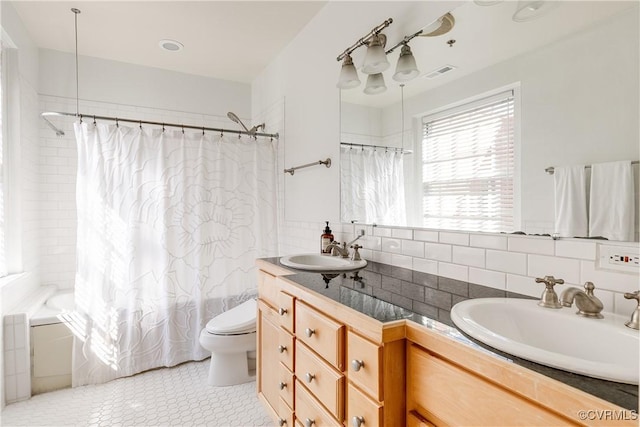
x,y
357,364
283,385
282,311
309,422
309,332
282,348
357,421
309,376
281,422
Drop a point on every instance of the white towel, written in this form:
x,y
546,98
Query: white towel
x,y
611,208
571,201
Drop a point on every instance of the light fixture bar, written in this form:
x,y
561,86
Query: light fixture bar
x,y
362,41
405,40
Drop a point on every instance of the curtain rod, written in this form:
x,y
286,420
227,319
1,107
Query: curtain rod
x,y
147,122
551,170
402,150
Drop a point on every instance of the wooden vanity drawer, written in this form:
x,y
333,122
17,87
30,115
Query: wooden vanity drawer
x,y
324,335
286,348
285,414
324,382
364,363
267,288
450,395
285,310
285,385
361,410
309,411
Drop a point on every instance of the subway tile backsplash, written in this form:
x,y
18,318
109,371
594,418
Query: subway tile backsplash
x,y
505,263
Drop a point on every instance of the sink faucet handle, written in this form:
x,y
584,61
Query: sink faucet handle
x,y
549,298
589,287
634,323
633,295
356,254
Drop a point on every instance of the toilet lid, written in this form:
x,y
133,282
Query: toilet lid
x,y
239,319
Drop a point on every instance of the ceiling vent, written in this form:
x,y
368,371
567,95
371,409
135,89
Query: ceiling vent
x,y
440,71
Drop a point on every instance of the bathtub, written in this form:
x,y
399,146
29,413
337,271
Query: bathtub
x,y
51,343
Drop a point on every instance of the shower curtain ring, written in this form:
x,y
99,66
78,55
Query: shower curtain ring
x,y
80,116
140,124
117,124
182,126
94,121
163,128
203,130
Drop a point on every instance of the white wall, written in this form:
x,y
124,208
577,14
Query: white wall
x,y
128,84
305,75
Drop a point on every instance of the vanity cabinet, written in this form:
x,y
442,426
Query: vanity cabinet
x,y
333,366
323,363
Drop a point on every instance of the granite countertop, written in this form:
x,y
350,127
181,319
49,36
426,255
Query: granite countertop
x,y
387,293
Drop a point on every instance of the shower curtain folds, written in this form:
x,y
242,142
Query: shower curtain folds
x,y
169,226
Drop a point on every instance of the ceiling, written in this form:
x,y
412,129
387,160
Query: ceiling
x,y
230,40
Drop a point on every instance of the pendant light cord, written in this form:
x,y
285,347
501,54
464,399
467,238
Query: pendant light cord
x,y
76,12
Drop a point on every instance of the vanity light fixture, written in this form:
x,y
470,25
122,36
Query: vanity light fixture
x,y
348,74
406,69
375,60
375,84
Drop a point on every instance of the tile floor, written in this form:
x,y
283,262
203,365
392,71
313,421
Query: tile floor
x,y
176,396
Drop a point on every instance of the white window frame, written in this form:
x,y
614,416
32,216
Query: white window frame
x,y
11,112
466,104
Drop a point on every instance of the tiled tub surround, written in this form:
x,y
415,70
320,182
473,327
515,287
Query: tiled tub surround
x,y
389,293
501,261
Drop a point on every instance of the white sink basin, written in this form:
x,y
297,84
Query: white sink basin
x,y
598,348
316,262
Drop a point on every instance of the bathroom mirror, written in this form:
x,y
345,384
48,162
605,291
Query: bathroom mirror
x,y
574,74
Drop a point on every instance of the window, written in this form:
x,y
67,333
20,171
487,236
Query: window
x,y
3,261
468,166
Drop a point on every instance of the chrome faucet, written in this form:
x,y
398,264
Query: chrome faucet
x,y
588,304
344,250
634,323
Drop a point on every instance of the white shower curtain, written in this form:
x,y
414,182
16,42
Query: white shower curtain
x,y
169,226
372,186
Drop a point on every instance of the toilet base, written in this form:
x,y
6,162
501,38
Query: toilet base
x,y
229,369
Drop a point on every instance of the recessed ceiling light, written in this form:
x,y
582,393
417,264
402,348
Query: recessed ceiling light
x,y
170,45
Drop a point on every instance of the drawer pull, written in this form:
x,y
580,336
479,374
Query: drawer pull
x,y
357,421
281,422
356,364
309,376
282,311
283,386
309,422
282,348
309,332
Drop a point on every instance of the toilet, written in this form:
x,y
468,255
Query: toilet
x,y
231,339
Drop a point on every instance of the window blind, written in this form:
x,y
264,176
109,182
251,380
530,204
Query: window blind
x,y
468,166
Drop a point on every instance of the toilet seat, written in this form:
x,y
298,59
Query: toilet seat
x,y
237,321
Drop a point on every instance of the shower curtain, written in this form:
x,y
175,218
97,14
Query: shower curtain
x,y
169,226
372,186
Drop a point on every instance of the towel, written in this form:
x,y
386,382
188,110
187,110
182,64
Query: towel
x,y
611,208
571,201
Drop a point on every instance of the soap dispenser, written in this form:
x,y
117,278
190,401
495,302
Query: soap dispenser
x,y
325,240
